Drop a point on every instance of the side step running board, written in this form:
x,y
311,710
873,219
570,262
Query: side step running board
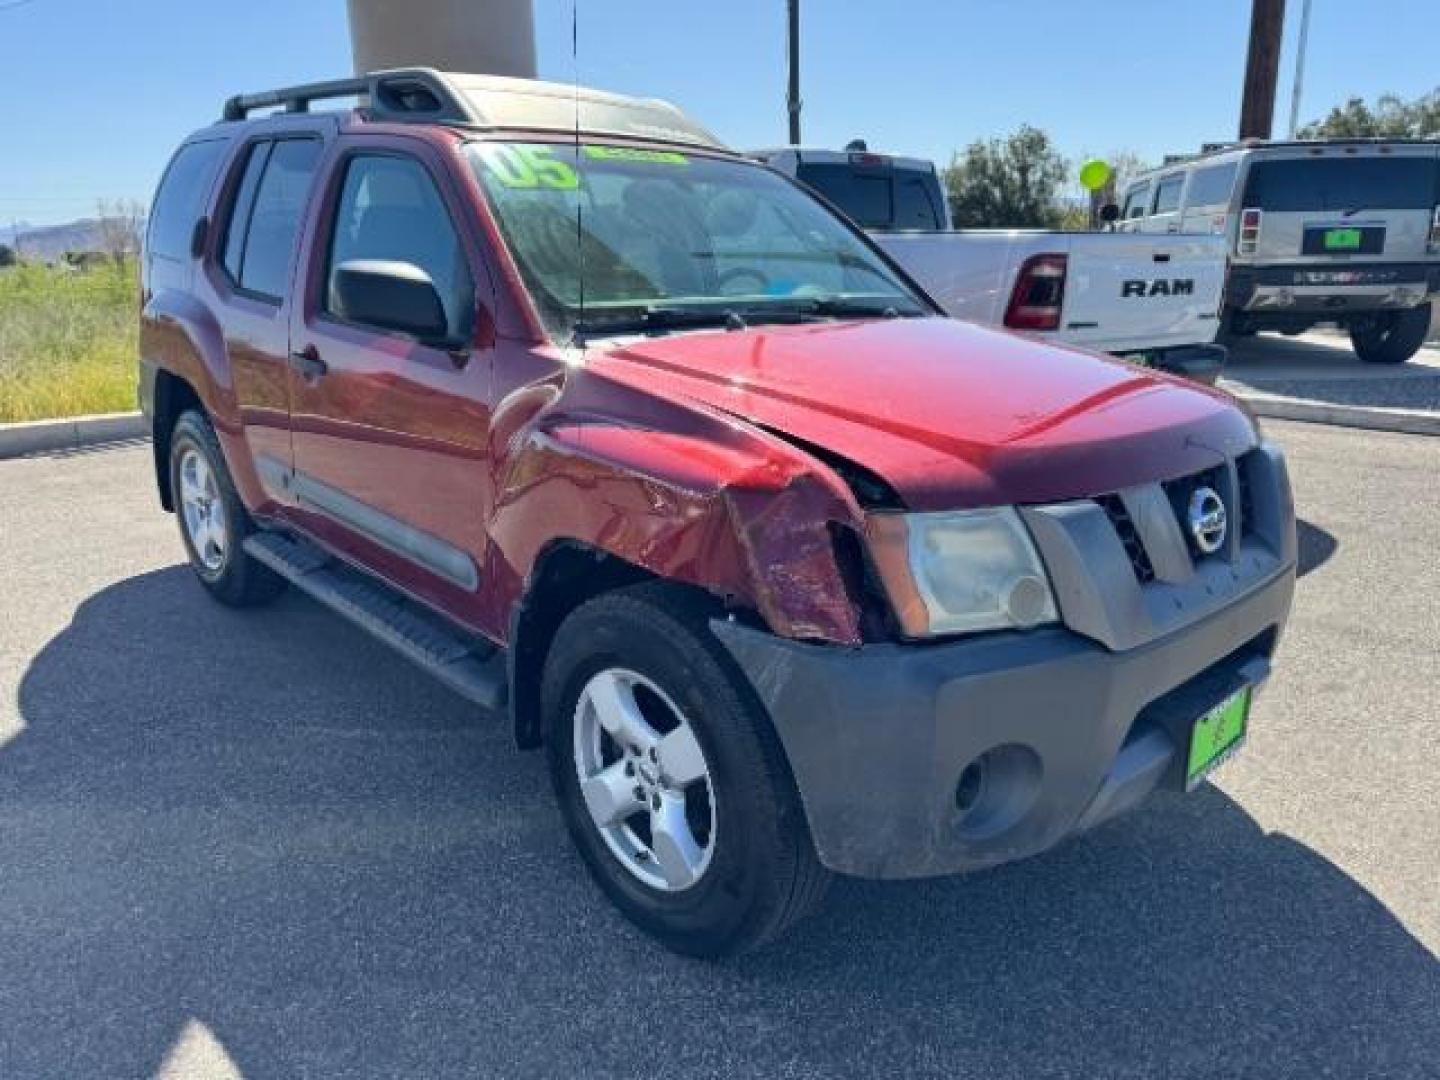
x,y
472,668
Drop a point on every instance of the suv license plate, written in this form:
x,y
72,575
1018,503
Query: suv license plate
x,y
1343,239
1216,736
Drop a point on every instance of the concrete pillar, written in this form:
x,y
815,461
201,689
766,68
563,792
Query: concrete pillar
x,y
491,37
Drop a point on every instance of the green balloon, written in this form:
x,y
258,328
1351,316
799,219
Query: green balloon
x,y
1093,174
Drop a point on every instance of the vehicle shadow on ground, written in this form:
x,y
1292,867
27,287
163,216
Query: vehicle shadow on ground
x,y
265,824
1315,546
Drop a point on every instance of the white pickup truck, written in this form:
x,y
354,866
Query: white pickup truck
x,y
1151,298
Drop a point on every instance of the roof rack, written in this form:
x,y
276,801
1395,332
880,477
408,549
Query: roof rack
x,y
423,95
405,93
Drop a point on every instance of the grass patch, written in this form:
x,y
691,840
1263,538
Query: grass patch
x,y
67,341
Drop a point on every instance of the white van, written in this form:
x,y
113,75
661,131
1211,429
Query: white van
x,y
1342,231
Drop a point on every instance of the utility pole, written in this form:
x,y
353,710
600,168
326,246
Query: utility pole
x,y
792,98
1262,68
1299,67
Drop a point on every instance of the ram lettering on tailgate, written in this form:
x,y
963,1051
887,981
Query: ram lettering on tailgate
x,y
1158,287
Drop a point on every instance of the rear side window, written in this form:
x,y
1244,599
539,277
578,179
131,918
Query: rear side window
x,y
862,197
266,218
915,205
390,209
179,200
1167,194
1338,184
1135,202
1211,186
233,258
878,198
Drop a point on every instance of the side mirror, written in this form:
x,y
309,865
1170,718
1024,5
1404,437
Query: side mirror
x,y
391,295
1109,213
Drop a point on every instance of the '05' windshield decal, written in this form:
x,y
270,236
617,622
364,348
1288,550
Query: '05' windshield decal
x,y
534,165
528,166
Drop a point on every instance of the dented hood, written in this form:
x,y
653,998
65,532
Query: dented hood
x,y
950,414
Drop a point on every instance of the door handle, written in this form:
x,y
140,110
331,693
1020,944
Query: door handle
x,y
307,364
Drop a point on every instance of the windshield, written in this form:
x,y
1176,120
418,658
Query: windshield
x,y
1363,183
668,240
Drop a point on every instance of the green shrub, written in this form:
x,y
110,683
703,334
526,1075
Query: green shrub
x,y
67,341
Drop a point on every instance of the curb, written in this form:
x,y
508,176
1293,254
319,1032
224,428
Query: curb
x,y
1405,421
43,436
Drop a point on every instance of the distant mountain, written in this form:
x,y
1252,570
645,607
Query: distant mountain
x,y
50,242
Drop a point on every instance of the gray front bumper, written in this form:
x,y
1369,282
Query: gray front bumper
x,y
878,736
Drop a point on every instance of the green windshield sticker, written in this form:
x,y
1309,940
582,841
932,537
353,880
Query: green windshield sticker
x,y
528,166
628,153
1343,240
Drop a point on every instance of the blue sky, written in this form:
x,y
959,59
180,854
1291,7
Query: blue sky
x,y
97,92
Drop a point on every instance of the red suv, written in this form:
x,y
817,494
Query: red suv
x,y
631,438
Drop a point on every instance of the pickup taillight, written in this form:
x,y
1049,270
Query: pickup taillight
x,y
1249,232
1038,294
1435,231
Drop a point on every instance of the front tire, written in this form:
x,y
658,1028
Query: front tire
x,y
1391,338
213,520
671,780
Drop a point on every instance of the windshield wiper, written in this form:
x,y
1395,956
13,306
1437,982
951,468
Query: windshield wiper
x,y
655,317
856,307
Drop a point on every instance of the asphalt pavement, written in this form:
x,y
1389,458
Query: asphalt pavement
x,y
1320,366
258,844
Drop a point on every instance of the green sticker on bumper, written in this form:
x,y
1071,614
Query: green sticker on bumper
x,y
1216,734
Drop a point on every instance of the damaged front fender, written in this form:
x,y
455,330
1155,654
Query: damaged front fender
x,y
684,494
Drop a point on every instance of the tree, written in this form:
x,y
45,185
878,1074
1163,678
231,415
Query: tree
x,y
1391,117
120,225
8,256
1006,183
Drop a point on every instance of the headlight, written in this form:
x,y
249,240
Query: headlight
x,y
954,573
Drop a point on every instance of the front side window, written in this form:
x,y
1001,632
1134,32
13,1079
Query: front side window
x,y
612,237
390,209
1167,195
260,239
1135,202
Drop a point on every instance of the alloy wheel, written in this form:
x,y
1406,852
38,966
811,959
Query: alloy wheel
x,y
644,779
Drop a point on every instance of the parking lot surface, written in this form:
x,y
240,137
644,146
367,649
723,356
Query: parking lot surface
x,y
1320,366
258,844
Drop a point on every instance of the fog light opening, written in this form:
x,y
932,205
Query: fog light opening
x,y
996,790
971,786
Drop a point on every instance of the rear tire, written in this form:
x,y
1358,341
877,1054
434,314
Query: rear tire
x,y
213,520
754,870
1391,338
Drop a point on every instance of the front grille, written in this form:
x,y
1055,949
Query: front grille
x,y
1247,494
1179,493
1114,508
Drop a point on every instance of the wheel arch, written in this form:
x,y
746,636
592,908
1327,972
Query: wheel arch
x,y
566,574
173,396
